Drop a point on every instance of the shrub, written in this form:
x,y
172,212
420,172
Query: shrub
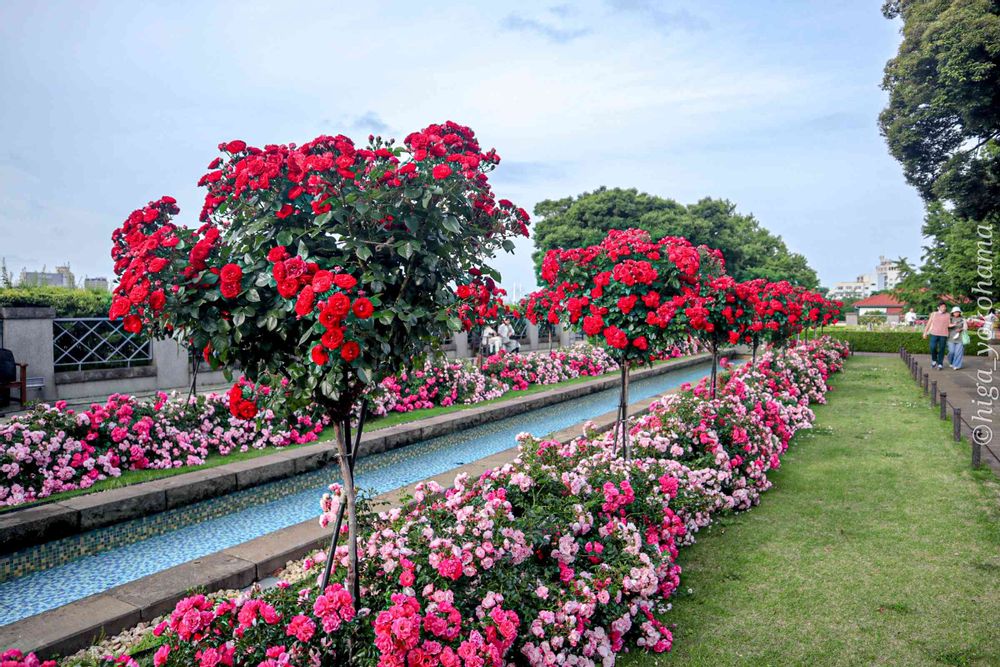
x,y
67,302
889,341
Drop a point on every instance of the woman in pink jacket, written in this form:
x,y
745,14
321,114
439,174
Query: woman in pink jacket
x,y
937,329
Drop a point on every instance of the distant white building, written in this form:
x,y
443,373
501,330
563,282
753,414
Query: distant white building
x,y
885,277
100,284
886,274
853,289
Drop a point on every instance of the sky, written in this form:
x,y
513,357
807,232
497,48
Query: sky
x,y
770,104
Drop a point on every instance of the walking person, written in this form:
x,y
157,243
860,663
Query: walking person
x,y
990,324
957,337
937,329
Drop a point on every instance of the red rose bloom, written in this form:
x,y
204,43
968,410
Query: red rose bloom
x,y
157,264
277,254
132,324
640,343
350,351
157,300
344,281
119,307
288,287
236,146
319,355
616,338
339,304
363,308
626,303
322,281
592,325
441,171
231,273
247,410
304,304
230,290
333,338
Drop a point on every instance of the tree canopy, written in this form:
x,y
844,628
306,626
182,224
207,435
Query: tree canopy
x,y
942,124
943,118
750,250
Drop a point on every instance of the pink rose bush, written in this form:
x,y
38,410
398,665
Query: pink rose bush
x,y
566,556
52,448
455,382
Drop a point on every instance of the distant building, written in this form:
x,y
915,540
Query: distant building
x,y
854,289
880,303
886,277
886,274
100,284
62,277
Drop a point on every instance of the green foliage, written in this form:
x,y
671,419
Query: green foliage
x,y
960,260
943,117
750,250
67,302
888,341
405,224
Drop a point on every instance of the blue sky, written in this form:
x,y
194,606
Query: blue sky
x,y
772,105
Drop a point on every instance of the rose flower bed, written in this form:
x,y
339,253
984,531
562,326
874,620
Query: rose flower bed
x,y
567,556
53,449
455,382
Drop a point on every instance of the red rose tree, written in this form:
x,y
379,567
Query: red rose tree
x,y
628,293
722,313
320,268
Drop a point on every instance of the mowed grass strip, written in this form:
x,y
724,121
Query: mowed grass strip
x,y
878,545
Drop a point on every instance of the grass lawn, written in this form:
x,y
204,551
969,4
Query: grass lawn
x,y
877,546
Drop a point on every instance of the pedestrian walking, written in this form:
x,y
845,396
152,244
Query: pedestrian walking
x,y
958,336
937,329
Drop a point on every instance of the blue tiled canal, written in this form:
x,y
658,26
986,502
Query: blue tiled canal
x,y
65,570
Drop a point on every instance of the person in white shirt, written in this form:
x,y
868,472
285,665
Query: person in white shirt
x,y
990,324
910,318
507,339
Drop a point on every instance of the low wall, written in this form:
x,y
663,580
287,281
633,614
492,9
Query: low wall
x,y
28,333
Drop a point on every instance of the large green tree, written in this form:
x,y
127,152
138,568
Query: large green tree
x,y
943,125
943,118
750,250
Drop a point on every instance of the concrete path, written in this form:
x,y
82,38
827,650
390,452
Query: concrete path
x,y
975,390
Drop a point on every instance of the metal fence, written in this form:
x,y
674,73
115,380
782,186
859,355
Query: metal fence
x,y
940,399
92,343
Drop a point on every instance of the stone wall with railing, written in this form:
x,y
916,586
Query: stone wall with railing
x,y
83,358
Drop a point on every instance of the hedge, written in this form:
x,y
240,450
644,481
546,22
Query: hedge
x,y
67,302
890,341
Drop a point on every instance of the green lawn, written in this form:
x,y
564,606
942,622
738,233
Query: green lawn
x,y
877,546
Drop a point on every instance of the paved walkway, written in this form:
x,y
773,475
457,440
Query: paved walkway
x,y
969,389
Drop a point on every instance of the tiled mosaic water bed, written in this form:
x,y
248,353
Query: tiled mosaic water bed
x,y
56,573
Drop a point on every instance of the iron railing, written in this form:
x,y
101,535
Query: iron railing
x,y
92,343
